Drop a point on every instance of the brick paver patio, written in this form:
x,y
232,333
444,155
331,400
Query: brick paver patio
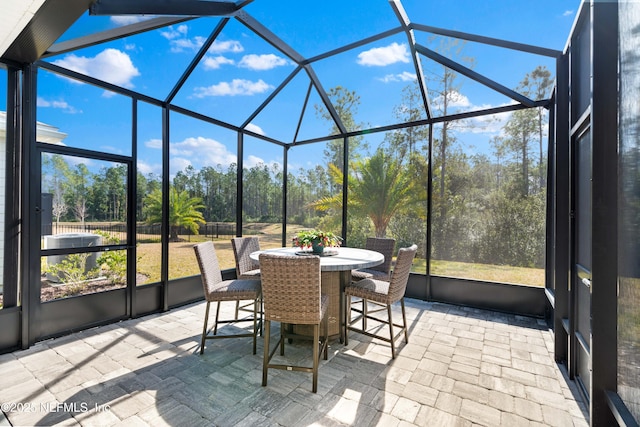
x,y
462,367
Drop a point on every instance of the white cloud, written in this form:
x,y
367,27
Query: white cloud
x,y
455,100
145,168
153,143
75,161
235,87
214,62
226,46
177,164
179,41
205,151
252,62
402,77
113,149
262,62
252,161
255,128
492,124
62,105
110,65
189,45
182,29
567,13
108,94
173,33
130,19
193,151
381,56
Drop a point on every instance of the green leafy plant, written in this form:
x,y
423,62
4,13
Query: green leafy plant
x,y
113,264
308,238
72,271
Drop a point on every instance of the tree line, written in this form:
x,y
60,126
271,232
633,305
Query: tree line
x,y
487,208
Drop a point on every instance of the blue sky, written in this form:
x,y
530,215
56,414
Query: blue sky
x,y
241,70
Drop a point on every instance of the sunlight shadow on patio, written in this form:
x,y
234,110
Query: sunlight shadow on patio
x,y
148,371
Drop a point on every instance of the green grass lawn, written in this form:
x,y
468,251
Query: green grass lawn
x,y
182,263
182,259
487,272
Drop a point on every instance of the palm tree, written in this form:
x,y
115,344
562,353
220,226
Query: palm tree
x,y
379,187
184,211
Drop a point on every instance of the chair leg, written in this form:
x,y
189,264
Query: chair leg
x,y
393,345
237,309
255,324
365,306
282,326
316,356
265,358
215,326
204,329
364,314
404,321
261,314
347,320
326,336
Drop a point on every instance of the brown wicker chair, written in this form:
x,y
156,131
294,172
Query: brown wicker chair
x,y
382,271
291,296
218,290
384,294
246,268
379,272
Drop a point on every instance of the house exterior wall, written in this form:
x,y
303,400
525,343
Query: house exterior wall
x,y
44,133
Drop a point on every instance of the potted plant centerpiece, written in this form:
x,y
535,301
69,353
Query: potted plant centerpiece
x,y
316,240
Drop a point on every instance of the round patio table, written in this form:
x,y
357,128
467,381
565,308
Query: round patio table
x,y
335,267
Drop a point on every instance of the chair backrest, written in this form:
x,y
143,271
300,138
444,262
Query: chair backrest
x,y
400,276
385,246
242,248
209,266
291,288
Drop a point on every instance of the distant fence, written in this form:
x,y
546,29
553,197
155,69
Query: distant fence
x,y
145,231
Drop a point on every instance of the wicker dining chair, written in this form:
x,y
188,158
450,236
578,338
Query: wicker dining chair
x,y
383,294
381,271
246,268
218,290
291,295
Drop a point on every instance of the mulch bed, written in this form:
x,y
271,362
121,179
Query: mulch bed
x,y
51,290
